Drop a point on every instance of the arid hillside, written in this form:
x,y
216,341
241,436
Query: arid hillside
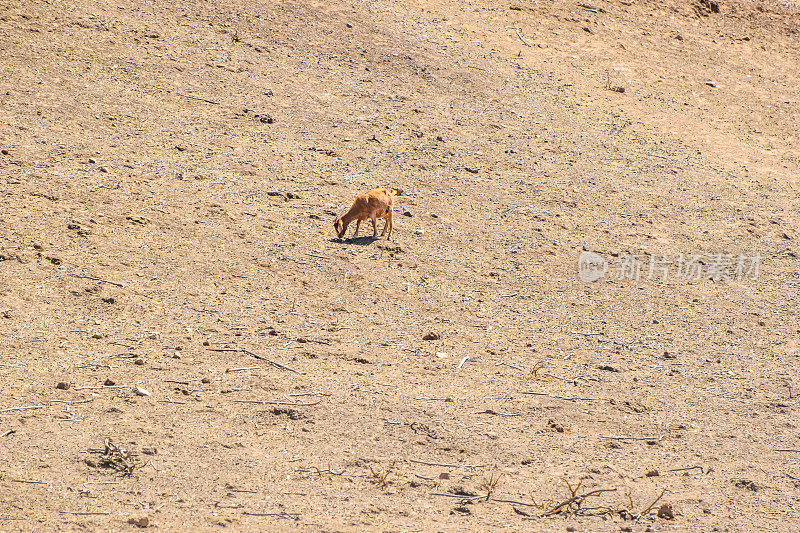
x,y
185,345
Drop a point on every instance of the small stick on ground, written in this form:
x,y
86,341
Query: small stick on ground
x,y
622,437
445,464
526,43
98,279
21,408
259,357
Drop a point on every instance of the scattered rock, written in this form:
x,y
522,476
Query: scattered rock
x,y
139,362
139,522
444,475
652,473
103,169
4,151
432,337
142,392
266,119
555,427
291,413
108,383
434,215
472,170
62,385
711,83
665,512
92,160
109,300
746,484
607,368
410,214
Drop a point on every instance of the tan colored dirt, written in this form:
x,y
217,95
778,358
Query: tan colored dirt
x,y
170,175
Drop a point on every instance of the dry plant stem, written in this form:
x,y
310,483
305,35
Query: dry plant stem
x,y
278,403
649,507
567,398
445,464
459,496
622,437
575,499
260,357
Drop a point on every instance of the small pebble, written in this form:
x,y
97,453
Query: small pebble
x,y
4,151
92,160
104,169
142,392
139,362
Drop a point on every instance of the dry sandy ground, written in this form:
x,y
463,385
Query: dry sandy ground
x,y
170,174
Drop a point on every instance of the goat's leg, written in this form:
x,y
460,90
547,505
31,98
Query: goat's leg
x,y
358,224
388,225
374,226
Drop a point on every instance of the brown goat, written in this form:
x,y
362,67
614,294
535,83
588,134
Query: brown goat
x,y
373,205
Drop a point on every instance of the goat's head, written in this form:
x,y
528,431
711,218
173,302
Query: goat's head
x,y
339,226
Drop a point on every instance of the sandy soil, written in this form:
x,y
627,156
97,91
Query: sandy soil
x,y
184,344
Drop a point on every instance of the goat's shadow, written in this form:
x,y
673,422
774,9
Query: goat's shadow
x,y
359,241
